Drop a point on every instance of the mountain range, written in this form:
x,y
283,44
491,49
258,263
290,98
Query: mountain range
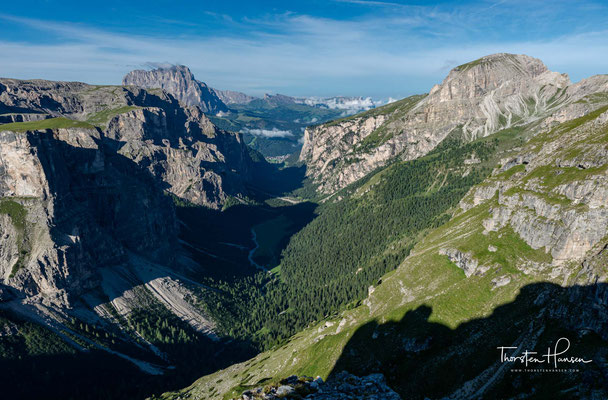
x,y
272,124
146,245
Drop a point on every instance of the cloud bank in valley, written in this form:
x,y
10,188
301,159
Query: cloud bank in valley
x,y
350,105
268,133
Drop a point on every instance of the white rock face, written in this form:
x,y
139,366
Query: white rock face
x,y
464,261
475,100
567,233
22,170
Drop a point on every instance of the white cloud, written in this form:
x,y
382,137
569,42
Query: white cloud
x,y
402,52
268,133
350,105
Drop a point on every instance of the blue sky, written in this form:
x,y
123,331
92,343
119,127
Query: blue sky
x,y
305,48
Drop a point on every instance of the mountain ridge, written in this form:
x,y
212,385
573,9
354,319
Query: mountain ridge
x,y
464,104
180,82
90,180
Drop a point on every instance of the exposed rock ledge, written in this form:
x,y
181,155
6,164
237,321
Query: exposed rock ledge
x,y
342,386
465,262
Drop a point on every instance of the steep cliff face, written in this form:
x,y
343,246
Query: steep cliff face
x,y
475,100
180,82
179,145
554,193
70,207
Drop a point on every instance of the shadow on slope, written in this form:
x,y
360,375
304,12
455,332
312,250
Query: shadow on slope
x,y
221,241
35,363
273,180
422,358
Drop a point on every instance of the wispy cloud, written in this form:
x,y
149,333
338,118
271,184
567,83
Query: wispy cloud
x,y
379,54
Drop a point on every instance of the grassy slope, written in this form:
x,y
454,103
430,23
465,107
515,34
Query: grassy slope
x,y
51,123
424,278
102,118
99,119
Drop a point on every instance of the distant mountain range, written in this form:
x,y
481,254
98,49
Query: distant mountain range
x,y
272,124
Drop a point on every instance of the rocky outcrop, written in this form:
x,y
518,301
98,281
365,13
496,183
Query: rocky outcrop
x,y
180,83
554,193
465,261
341,386
475,100
22,117
200,164
566,233
336,147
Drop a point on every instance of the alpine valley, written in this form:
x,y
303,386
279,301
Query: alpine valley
x,y
148,248
273,125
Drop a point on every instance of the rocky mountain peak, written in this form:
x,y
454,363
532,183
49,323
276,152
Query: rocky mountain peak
x,y
178,81
475,100
492,72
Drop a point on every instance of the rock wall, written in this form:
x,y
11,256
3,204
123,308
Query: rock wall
x,y
84,207
77,199
554,194
189,156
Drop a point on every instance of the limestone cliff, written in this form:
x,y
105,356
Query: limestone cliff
x,y
554,193
180,82
475,100
87,176
72,206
